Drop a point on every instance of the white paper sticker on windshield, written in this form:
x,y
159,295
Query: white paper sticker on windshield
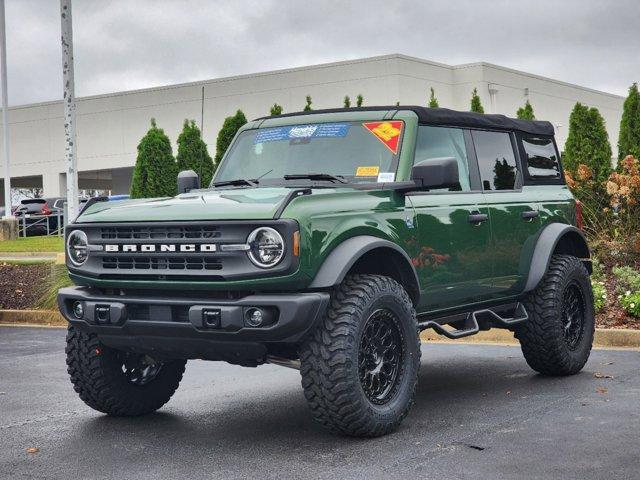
x,y
385,177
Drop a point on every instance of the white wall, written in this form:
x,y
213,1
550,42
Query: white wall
x,y
110,126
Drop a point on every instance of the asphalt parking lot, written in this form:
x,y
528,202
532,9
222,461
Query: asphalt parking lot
x,y
480,413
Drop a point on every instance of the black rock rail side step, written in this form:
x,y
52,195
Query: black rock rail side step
x,y
469,323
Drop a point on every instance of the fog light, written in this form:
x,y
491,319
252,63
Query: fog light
x,y
254,317
78,309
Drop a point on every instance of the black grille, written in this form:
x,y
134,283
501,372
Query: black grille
x,y
159,233
161,263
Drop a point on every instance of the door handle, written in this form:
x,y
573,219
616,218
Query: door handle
x,y
477,218
529,214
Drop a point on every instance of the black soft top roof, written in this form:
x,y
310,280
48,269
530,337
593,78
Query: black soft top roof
x,y
445,116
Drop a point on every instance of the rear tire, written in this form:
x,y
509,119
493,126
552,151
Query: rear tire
x,y
557,338
360,366
118,383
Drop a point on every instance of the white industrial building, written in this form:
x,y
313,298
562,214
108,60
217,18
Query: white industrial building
x,y
110,126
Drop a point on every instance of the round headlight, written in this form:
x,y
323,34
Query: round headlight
x,y
266,247
77,247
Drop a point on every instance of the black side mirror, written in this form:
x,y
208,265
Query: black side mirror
x,y
436,173
188,180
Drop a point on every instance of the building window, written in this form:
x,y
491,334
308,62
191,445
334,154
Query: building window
x,y
496,160
542,158
439,142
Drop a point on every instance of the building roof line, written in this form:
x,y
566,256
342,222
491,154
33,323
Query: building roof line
x,y
354,61
535,76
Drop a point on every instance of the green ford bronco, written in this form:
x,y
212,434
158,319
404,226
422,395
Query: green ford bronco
x,y
326,242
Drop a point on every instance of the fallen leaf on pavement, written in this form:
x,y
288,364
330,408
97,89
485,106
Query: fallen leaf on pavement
x,y
33,450
602,375
601,390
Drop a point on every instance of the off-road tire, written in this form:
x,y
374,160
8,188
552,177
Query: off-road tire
x,y
330,362
542,336
97,377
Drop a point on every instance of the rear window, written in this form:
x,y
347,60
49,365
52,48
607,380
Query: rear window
x,y
541,157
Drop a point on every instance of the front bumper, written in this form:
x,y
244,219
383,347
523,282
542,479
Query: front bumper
x,y
176,326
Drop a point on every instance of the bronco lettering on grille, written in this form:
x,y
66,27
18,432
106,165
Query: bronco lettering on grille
x,y
162,247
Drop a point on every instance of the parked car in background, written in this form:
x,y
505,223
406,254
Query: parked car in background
x,y
39,216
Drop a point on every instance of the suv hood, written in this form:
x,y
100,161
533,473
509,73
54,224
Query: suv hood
x,y
232,204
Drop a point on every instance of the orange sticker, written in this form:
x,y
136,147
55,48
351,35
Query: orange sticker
x,y
387,132
367,171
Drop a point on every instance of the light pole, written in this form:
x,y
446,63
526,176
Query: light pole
x,y
69,101
5,113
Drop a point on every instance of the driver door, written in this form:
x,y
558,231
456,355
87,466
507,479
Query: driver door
x,y
453,226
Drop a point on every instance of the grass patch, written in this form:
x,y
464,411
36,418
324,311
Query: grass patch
x,y
25,261
58,279
33,244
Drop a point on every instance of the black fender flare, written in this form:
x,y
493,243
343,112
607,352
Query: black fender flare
x,y
549,239
338,263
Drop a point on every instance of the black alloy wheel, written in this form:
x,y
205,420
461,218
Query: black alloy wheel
x,y
380,356
573,318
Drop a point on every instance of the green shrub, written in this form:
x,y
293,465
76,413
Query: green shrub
x,y
476,104
598,269
307,107
628,279
433,101
275,110
630,301
526,112
599,295
347,101
359,100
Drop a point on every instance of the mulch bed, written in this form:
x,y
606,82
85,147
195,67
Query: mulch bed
x,y
612,314
21,285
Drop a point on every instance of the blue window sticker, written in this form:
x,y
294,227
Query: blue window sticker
x,y
321,130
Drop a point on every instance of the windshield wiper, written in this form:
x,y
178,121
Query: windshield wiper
x,y
316,176
236,182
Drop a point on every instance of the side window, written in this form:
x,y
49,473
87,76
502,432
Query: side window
x,y
496,160
438,142
541,157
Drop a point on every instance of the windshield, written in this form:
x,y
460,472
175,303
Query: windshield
x,y
357,151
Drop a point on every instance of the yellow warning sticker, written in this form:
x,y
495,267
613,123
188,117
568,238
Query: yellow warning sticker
x,y
367,171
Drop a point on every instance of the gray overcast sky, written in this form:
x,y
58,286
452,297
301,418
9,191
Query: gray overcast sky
x,y
124,45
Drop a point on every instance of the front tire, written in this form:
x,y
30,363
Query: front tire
x,y
557,338
118,383
360,367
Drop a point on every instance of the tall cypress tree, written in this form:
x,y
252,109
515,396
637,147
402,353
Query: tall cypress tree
x,y
587,143
629,139
433,101
155,173
359,100
476,105
347,101
193,154
526,112
229,129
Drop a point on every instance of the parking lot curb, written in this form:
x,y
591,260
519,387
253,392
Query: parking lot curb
x,y
32,317
604,337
